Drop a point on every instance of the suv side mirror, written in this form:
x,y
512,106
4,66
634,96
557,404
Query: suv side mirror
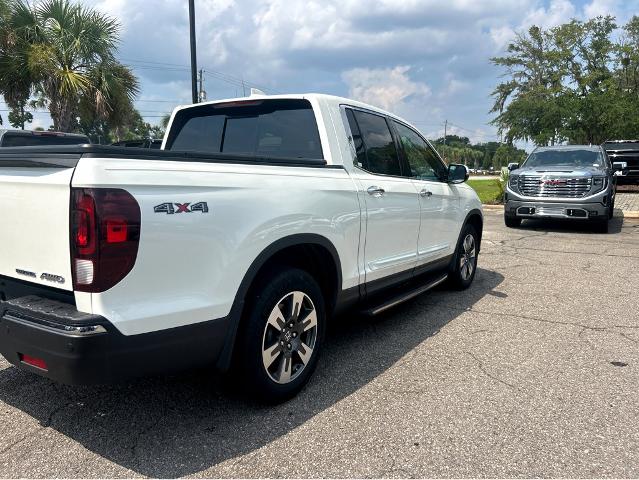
x,y
620,168
513,166
457,173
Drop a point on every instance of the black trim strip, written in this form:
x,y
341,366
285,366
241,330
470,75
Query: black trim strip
x,y
63,156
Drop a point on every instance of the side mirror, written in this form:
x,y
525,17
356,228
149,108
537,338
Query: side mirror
x,y
620,168
457,173
513,166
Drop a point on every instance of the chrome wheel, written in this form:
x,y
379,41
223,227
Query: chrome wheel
x,y
289,337
468,257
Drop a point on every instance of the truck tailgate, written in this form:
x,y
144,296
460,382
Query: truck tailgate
x,y
34,222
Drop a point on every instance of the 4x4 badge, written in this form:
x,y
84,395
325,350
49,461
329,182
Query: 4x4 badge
x,y
171,208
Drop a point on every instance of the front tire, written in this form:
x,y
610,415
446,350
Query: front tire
x,y
512,222
464,265
282,335
611,212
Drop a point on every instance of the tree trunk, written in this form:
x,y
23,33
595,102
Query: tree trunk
x,y
63,114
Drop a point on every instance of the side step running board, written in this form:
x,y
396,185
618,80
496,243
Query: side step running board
x,y
404,296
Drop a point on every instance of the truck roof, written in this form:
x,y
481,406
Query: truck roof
x,y
321,97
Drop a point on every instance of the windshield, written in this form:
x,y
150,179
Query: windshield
x,y
569,158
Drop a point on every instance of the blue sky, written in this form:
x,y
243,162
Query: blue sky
x,y
427,60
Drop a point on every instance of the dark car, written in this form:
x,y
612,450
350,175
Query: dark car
x,y
625,151
152,143
574,182
34,138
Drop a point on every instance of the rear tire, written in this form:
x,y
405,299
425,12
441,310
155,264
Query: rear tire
x,y
281,335
464,265
512,222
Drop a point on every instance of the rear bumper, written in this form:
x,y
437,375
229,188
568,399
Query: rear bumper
x,y
86,349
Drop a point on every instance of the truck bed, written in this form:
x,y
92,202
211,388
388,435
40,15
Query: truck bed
x,y
69,155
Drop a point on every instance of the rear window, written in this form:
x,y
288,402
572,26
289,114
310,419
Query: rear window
x,y
11,139
269,128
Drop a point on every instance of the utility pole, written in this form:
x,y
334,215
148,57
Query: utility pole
x,y
201,94
193,51
445,131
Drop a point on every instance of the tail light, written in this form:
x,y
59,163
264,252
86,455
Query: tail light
x,y
105,234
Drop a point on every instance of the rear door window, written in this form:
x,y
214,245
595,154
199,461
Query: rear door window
x,y
270,128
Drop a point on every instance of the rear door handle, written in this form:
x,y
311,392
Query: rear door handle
x,y
375,191
425,193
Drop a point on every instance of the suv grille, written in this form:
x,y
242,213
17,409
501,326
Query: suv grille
x,y
538,186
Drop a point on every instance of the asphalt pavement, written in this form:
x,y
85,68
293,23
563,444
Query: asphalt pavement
x,y
532,372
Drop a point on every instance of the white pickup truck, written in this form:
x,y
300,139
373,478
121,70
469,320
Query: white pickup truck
x,y
232,246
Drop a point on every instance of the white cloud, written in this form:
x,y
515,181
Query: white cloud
x,y
557,12
601,7
386,88
501,36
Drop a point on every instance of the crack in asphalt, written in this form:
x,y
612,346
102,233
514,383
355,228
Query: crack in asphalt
x,y
482,368
21,439
516,315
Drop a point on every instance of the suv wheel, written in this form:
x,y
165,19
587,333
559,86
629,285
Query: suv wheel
x,y
611,212
282,335
464,265
512,222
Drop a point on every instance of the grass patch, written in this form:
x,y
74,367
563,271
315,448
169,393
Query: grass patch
x,y
489,191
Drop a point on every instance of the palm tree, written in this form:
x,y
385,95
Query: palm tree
x,y
70,58
16,77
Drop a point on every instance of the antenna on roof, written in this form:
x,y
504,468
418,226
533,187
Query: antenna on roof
x,y
257,91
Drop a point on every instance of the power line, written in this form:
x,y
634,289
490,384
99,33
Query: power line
x,y
153,65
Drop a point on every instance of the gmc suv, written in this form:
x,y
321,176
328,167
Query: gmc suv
x,y
574,182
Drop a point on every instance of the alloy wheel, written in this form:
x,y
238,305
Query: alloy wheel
x,y
467,257
289,337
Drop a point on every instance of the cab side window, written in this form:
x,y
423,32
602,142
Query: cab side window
x,y
422,160
376,151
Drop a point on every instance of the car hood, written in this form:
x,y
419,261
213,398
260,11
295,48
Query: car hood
x,y
561,170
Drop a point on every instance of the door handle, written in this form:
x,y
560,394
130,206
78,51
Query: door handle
x,y
375,191
425,193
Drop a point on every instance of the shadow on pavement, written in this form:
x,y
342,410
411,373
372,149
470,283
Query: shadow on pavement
x,y
570,226
181,425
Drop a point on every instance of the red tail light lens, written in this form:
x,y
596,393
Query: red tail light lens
x,y
105,234
33,361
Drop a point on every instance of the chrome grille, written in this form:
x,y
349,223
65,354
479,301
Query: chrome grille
x,y
538,186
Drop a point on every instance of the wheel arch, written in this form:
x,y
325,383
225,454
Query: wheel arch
x,y
475,218
311,252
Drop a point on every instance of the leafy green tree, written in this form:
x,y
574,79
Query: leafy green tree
x,y
16,77
18,117
573,83
506,154
65,54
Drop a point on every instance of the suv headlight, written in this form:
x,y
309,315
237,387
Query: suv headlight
x,y
513,180
599,183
